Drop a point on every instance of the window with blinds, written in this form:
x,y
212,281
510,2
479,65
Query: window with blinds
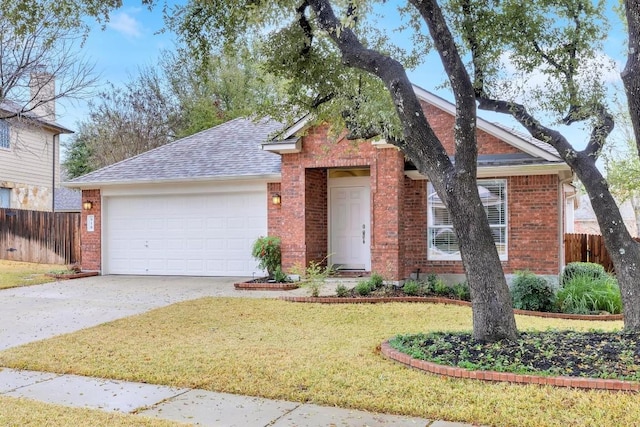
x,y
442,241
4,134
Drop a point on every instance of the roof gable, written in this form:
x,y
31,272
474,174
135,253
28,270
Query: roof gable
x,y
14,108
511,137
516,139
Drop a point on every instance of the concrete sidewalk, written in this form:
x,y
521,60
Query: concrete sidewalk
x,y
198,407
43,311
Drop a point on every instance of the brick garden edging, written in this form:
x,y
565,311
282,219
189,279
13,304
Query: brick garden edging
x,y
438,300
455,372
265,286
73,275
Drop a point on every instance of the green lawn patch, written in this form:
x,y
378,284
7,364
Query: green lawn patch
x,y
324,354
24,412
16,273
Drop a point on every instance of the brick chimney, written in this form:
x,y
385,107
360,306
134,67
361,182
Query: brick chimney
x,y
42,86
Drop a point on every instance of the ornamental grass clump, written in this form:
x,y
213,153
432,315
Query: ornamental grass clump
x,y
584,294
590,269
267,251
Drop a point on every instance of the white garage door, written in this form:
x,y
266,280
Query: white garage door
x,y
193,235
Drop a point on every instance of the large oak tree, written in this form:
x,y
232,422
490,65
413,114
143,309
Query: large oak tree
x,y
335,60
558,40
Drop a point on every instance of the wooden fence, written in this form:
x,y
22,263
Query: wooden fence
x,y
587,248
42,237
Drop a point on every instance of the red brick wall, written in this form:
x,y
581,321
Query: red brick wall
x,y
533,240
533,229
292,232
91,242
443,124
315,205
274,212
388,198
304,198
414,231
398,240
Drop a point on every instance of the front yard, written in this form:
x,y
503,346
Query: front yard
x,y
16,273
22,412
324,354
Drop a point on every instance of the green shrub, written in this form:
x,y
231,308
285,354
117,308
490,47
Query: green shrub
x,y
595,271
584,294
376,281
531,292
280,276
313,276
267,251
462,291
363,288
432,278
341,290
441,288
427,287
411,287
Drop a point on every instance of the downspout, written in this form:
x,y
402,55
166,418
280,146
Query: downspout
x,y
561,221
53,177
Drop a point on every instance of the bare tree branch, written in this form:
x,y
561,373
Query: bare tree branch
x,y
466,148
46,51
432,155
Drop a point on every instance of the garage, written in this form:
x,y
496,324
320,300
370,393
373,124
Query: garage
x,y
183,234
193,207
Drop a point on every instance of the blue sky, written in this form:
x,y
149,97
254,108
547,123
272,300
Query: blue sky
x,y
131,40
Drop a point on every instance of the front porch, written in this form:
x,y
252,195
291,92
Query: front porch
x,y
342,210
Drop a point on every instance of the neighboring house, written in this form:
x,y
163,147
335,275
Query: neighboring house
x,y
29,151
195,206
585,219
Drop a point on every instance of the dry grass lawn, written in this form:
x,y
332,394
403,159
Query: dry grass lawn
x,y
23,412
325,354
16,273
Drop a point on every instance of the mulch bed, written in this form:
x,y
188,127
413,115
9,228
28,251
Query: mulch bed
x,y
399,296
595,360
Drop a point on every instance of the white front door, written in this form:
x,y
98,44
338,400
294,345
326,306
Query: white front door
x,y
349,227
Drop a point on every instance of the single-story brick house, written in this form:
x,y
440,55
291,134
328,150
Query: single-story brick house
x,y
195,206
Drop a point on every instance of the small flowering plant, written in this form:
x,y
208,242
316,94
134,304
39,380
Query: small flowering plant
x,y
267,251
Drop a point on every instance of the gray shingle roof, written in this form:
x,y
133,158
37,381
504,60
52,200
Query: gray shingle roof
x,y
231,149
540,144
15,108
67,199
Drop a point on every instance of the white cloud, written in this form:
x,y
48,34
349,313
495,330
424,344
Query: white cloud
x,y
601,66
125,24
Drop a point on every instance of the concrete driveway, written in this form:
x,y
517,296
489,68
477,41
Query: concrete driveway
x,y
33,313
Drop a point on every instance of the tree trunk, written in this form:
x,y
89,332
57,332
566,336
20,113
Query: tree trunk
x,y
456,186
631,73
624,251
493,317
635,204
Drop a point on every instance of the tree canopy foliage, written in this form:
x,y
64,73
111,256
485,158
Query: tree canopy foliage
x,y
177,98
